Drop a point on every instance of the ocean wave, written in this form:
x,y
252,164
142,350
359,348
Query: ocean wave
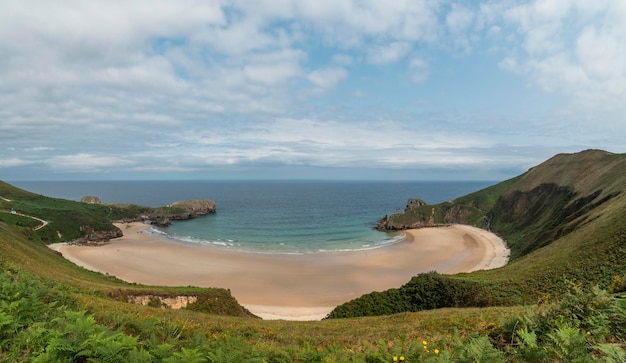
x,y
288,248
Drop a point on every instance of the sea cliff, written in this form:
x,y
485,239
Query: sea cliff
x,y
181,210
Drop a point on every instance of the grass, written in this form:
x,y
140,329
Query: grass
x,y
563,220
43,321
341,339
576,232
18,221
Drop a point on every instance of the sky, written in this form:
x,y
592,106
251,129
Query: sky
x,y
293,89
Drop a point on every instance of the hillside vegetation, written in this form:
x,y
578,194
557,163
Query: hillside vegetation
x,y
69,220
565,221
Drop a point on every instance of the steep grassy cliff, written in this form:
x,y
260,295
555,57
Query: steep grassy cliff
x,y
538,207
564,219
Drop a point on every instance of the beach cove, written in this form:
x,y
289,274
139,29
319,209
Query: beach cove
x,y
288,286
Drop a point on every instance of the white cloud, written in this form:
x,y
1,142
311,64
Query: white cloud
x,y
95,24
85,162
388,53
459,21
573,47
242,36
99,85
419,69
323,143
348,22
494,31
602,56
459,18
271,73
39,148
12,162
327,78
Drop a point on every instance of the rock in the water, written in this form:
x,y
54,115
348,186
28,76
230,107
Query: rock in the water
x,y
197,207
182,210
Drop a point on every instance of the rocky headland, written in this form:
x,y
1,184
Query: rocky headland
x,y
178,211
159,216
426,219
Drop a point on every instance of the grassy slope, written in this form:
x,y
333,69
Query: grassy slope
x,y
594,250
93,292
590,245
22,245
593,253
564,219
568,213
468,209
71,220
68,219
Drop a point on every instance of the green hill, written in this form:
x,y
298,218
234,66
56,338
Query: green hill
x,y
564,220
69,220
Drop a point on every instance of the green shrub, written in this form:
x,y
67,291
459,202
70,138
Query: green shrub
x,y
423,292
582,326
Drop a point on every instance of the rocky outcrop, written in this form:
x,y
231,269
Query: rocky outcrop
x,y
96,237
91,199
196,208
174,302
457,215
181,210
177,211
414,203
211,301
419,214
385,224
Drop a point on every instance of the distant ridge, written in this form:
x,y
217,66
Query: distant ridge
x,y
546,202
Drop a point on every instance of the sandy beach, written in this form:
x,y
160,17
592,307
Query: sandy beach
x,y
291,287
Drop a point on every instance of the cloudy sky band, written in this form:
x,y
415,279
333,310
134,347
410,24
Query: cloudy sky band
x,y
236,89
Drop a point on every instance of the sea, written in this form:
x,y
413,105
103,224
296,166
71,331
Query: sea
x,y
278,217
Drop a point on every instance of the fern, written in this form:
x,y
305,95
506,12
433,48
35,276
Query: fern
x,y
186,355
478,350
612,353
6,324
567,345
528,345
223,356
110,348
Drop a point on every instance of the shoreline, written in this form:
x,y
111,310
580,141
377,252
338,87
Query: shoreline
x,y
290,287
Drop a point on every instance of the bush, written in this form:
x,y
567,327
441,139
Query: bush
x,y
423,292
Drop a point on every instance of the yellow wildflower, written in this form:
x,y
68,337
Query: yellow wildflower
x,y
424,342
436,351
395,359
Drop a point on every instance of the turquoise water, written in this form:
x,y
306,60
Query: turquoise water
x,y
272,216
